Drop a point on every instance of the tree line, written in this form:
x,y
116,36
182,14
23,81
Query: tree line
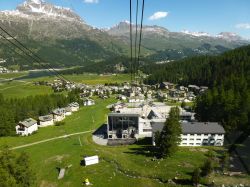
x,y
17,109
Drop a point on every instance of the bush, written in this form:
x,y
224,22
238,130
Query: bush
x,y
196,176
59,123
207,168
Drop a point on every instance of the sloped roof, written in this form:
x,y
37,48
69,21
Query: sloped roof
x,y
28,122
46,118
59,111
75,104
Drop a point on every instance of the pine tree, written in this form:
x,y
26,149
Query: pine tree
x,y
170,135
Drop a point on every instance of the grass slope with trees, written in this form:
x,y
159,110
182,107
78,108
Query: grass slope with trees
x,y
119,166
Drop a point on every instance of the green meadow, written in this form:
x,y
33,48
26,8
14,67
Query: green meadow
x,y
132,165
22,84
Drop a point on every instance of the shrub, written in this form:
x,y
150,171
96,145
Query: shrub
x,y
59,123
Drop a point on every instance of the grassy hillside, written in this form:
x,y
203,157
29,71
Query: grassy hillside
x,y
119,166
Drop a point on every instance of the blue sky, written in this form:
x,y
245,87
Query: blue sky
x,y
212,16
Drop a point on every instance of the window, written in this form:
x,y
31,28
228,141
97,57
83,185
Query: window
x,y
198,144
110,136
184,144
198,139
191,144
191,134
198,134
191,139
147,130
205,134
184,139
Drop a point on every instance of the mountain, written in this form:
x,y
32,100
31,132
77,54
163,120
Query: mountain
x,y
169,45
40,20
58,34
64,39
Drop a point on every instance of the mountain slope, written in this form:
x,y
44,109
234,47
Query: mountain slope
x,y
57,34
175,45
64,39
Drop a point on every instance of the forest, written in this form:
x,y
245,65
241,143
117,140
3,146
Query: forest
x,y
227,76
14,110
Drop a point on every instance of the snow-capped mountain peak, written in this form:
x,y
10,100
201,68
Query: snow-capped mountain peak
x,y
34,1
229,36
123,28
38,8
197,34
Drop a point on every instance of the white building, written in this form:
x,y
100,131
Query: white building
x,y
136,99
58,114
196,133
74,106
26,127
45,121
68,111
91,160
88,102
135,122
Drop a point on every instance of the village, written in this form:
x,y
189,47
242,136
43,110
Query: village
x,y
124,93
140,111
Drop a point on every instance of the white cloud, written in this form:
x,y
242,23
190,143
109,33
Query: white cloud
x,y
158,15
243,26
91,1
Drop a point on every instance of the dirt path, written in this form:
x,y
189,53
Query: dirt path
x,y
50,139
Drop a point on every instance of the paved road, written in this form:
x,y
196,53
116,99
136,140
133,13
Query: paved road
x,y
50,139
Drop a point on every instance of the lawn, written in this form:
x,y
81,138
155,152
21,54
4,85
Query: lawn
x,y
91,79
87,118
85,78
132,165
24,86
12,75
47,157
22,89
